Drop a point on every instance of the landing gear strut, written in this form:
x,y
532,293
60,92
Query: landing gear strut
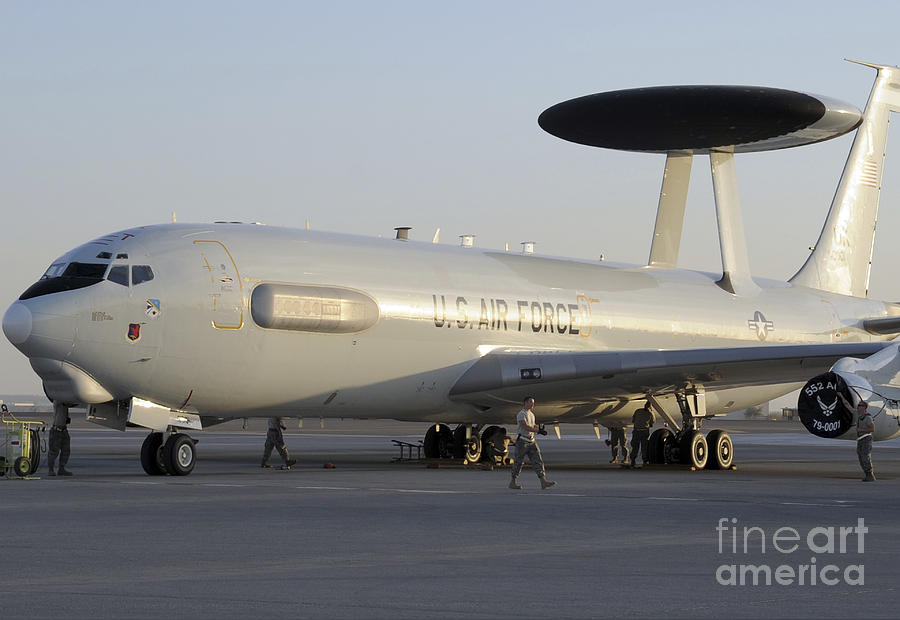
x,y
687,445
176,456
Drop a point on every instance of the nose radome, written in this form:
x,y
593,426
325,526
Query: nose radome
x,y
17,323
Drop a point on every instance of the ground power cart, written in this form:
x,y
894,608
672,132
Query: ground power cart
x,y
21,449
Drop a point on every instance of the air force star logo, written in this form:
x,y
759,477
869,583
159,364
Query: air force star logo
x,y
760,325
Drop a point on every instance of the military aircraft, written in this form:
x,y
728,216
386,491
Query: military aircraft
x,y
177,327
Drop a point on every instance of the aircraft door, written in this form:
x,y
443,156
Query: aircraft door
x,y
225,293
585,314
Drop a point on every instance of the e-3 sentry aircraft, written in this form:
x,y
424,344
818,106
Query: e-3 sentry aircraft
x,y
180,326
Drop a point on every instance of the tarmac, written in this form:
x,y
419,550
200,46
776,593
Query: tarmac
x,y
372,538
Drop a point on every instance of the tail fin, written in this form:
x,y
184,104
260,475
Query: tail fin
x,y
842,257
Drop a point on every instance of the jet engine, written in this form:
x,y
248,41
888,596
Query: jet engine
x,y
821,409
873,379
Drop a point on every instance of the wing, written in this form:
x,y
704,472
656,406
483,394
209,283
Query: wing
x,y
584,376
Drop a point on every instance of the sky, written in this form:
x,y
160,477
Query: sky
x,y
363,116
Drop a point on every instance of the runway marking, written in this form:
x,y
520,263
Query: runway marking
x,y
441,492
330,488
211,484
841,505
137,482
553,494
676,499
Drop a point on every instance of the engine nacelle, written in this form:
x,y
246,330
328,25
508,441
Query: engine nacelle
x,y
824,414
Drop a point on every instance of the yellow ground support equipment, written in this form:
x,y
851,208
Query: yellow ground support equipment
x,y
21,446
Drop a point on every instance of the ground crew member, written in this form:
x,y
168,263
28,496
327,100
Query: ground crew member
x,y
526,446
275,439
865,426
59,441
640,434
616,439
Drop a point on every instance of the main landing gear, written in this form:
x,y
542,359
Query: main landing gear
x,y
175,454
467,442
687,445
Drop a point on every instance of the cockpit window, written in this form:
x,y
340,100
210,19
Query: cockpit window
x,y
141,273
118,274
54,271
66,277
86,270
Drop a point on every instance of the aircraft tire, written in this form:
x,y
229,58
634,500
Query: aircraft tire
x,y
657,445
22,466
180,454
151,455
473,449
438,442
721,450
494,445
694,450
459,441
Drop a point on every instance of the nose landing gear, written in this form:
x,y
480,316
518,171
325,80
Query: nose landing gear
x,y
176,456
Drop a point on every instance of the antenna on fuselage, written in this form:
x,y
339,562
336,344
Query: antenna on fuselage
x,y
683,121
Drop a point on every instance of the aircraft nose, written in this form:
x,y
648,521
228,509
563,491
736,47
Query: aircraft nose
x,y
17,323
41,329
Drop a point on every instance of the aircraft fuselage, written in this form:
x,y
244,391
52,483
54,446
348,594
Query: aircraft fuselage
x,y
204,335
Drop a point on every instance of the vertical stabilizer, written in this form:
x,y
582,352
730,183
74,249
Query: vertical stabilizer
x,y
842,257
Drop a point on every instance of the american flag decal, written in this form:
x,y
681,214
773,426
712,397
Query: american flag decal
x,y
868,174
